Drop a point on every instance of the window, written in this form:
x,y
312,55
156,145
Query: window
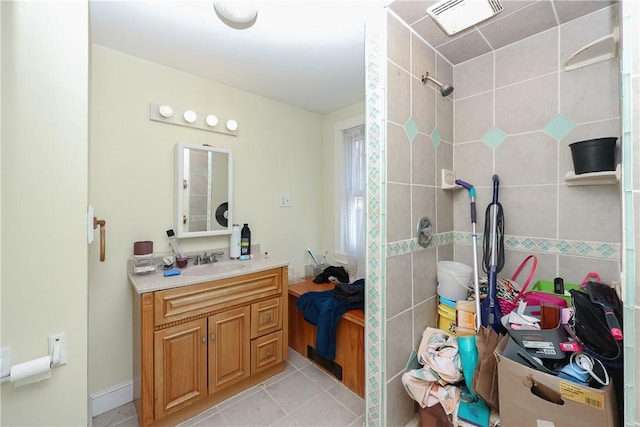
x,y
351,193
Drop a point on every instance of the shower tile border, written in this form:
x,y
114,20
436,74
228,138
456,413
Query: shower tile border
x,y
543,245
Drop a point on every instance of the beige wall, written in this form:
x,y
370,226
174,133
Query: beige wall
x,y
279,149
44,202
329,165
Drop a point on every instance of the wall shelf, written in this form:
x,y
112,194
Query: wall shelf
x,y
593,178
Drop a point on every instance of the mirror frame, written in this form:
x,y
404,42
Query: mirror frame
x,y
179,202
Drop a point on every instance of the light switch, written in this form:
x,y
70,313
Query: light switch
x,y
285,200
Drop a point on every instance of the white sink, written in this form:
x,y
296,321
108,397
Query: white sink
x,y
215,268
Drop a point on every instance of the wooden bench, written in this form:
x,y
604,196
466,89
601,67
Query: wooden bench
x,y
349,337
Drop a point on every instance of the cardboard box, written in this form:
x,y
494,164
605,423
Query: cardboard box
x,y
532,398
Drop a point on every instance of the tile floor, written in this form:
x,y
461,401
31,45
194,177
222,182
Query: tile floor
x,y
302,395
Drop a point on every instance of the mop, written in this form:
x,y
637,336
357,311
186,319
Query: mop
x,y
475,411
476,281
494,222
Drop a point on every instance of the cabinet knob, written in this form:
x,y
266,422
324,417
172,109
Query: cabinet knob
x,y
204,339
213,337
268,353
268,317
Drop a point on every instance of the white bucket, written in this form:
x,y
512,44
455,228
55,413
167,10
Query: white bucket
x,y
454,279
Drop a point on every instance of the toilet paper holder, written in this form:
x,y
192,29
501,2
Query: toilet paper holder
x,y
57,357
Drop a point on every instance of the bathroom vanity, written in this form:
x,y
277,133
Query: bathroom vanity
x,y
205,335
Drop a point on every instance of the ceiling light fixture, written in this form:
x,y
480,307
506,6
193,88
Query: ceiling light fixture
x,y
236,14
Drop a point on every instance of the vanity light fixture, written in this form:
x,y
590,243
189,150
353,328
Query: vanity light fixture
x,y
212,120
232,125
165,111
236,14
192,119
190,116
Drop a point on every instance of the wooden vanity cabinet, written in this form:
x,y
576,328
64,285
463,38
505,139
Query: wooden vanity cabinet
x,y
197,345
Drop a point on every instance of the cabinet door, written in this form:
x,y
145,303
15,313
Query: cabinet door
x,y
180,366
266,316
266,351
229,348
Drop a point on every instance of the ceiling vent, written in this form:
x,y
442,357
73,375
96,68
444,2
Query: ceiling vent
x,y
454,16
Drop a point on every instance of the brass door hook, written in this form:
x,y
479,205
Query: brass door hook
x,y
102,223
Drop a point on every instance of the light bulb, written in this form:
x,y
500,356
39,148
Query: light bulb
x,y
190,116
212,120
165,111
232,125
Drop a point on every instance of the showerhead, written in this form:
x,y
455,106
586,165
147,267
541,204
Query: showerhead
x,y
445,90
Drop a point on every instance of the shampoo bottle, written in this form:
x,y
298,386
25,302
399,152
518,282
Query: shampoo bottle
x,y
234,242
245,240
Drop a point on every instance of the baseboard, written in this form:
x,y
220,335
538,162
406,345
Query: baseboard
x,y
111,398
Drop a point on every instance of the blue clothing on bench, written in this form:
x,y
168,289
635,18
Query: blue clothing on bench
x,y
324,311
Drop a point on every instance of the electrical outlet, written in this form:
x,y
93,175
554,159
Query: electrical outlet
x,y
62,339
285,200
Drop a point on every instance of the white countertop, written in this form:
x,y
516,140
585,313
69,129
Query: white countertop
x,y
194,274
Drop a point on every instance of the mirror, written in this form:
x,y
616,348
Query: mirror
x,y
204,178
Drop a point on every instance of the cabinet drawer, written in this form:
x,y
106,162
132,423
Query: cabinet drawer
x,y
181,303
266,351
266,316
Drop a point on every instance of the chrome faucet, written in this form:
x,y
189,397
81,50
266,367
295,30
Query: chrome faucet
x,y
206,258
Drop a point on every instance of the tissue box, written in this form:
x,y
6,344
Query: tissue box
x,y
314,270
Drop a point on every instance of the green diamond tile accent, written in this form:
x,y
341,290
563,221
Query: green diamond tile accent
x,y
411,129
584,249
528,243
494,137
605,250
563,247
559,127
512,242
435,138
545,245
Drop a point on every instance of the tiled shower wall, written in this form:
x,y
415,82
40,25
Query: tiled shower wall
x,y
630,17
514,114
419,144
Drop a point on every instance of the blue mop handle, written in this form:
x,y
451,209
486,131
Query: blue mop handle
x,y
496,182
472,194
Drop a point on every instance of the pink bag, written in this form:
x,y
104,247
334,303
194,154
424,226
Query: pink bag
x,y
507,291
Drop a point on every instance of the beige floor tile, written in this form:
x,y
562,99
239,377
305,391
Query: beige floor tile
x,y
352,401
259,409
302,395
285,421
294,391
323,410
319,376
116,416
297,359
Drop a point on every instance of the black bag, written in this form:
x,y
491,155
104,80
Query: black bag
x,y
590,327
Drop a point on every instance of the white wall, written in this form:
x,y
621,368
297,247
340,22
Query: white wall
x,y
44,201
279,149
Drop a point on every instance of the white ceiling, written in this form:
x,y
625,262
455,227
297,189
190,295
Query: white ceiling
x,y
306,53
